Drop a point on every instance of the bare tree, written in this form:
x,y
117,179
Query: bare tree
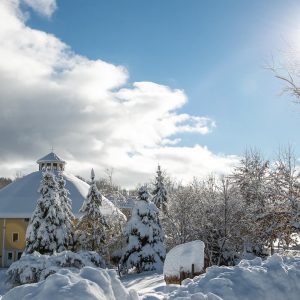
x,y
288,72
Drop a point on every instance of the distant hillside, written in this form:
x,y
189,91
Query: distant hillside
x,y
4,182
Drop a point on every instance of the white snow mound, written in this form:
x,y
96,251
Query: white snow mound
x,y
181,258
90,283
276,278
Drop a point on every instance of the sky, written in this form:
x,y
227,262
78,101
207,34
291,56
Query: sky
x,y
130,84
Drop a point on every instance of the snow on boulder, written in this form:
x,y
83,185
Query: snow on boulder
x,y
88,283
186,258
276,278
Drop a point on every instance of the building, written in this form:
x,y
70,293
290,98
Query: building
x,y
18,201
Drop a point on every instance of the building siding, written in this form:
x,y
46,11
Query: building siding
x,y
12,225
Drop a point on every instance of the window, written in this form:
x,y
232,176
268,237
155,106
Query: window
x,y
9,255
19,255
15,237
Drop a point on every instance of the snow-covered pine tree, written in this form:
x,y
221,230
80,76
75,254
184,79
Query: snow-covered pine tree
x,y
66,207
160,193
47,232
145,250
90,233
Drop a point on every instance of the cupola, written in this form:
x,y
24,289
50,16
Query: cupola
x,y
51,162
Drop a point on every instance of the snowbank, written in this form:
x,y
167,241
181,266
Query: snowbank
x,y
181,258
35,267
90,283
276,278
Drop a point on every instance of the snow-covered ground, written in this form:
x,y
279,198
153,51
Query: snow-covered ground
x,y
149,285
4,286
276,278
88,283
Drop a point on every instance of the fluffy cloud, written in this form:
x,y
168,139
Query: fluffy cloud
x,y
52,96
43,7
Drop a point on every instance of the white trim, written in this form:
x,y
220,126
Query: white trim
x,y
3,242
15,215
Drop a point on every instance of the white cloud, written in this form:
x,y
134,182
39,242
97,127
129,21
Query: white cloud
x,y
52,96
43,7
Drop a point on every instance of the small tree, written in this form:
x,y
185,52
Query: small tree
x,y
286,197
160,193
47,231
145,250
90,233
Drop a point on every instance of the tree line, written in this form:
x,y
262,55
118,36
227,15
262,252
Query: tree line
x,y
250,212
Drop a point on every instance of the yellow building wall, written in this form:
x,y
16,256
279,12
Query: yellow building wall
x,y
12,226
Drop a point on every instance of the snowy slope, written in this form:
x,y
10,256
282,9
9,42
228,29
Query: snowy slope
x,y
19,198
89,283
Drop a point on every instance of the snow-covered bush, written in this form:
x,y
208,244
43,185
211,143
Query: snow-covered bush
x,y
36,267
276,278
145,250
88,283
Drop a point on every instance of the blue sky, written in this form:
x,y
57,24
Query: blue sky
x,y
105,83
214,50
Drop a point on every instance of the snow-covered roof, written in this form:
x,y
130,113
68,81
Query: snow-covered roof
x,y
51,157
18,199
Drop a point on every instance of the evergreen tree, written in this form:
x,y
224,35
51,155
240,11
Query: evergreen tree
x,y
145,250
160,193
47,231
66,207
90,234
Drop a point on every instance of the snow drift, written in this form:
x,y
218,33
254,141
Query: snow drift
x,y
36,267
90,283
276,278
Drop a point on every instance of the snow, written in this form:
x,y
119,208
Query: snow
x,y
88,283
36,267
18,199
181,258
276,278
5,286
51,157
149,285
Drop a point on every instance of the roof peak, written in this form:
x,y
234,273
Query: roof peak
x,y
50,157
